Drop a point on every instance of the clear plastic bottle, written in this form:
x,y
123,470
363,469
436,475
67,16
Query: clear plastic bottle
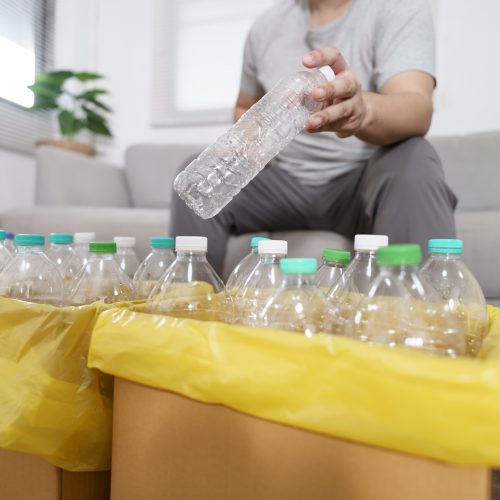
x,y
154,266
125,254
213,179
101,279
357,278
5,253
456,284
81,245
9,242
334,264
64,257
243,270
190,288
298,304
252,296
402,309
30,275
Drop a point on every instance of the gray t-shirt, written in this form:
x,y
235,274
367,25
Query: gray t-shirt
x,y
378,39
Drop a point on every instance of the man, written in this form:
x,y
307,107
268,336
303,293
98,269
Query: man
x,y
362,165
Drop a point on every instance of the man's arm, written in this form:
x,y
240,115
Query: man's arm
x,y
403,108
243,103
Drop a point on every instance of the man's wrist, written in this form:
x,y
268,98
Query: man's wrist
x,y
368,115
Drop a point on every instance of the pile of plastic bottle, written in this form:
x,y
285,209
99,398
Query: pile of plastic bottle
x,y
384,295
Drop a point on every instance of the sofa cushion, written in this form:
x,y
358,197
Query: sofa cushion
x,y
66,178
107,222
471,163
150,170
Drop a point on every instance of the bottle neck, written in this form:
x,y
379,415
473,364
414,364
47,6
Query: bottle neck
x,y
29,249
254,250
191,256
162,251
270,258
398,270
331,263
59,245
101,256
446,256
298,280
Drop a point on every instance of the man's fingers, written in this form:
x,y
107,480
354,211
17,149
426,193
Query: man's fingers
x,y
329,115
330,56
343,87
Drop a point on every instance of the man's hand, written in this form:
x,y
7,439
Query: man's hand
x,y
402,109
345,109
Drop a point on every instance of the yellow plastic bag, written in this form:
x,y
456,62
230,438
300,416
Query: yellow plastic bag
x,y
52,404
442,408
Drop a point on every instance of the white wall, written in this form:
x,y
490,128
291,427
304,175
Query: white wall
x,y
17,172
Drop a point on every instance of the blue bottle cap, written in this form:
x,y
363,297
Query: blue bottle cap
x,y
445,246
162,242
30,240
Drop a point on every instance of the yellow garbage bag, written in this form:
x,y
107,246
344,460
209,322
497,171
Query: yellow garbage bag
x,y
396,398
52,404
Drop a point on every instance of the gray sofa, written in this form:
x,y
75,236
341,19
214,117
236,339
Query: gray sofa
x,y
76,193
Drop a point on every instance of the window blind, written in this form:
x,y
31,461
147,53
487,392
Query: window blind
x,y
26,47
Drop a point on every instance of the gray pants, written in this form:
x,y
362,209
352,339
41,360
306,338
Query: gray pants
x,y
401,192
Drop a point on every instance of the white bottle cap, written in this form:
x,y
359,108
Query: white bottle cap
x,y
125,241
84,237
370,242
191,244
327,72
275,247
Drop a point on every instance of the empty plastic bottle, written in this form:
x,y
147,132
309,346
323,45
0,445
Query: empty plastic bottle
x,y
252,296
298,304
402,309
334,264
5,254
64,257
455,283
125,254
101,279
9,242
213,179
190,288
154,266
81,245
357,278
30,275
242,271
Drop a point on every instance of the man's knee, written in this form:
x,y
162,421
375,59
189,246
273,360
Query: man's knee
x,y
411,164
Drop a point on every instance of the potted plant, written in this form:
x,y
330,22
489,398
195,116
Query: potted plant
x,y
76,99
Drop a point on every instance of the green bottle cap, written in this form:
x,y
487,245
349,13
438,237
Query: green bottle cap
x,y
399,255
298,266
338,256
445,246
254,242
162,242
2,234
102,247
30,240
61,238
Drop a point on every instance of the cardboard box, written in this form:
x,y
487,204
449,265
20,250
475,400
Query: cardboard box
x,y
168,447
27,477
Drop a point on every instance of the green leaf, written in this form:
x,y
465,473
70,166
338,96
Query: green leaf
x,y
85,76
90,94
45,89
101,105
53,77
98,127
43,102
69,124
93,114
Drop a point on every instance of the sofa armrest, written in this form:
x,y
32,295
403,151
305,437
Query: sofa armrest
x,y
67,178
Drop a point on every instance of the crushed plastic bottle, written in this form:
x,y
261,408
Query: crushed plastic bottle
x,y
190,288
30,275
101,279
153,267
455,284
213,179
125,254
64,257
298,304
5,254
356,280
402,309
334,264
81,245
252,296
245,267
